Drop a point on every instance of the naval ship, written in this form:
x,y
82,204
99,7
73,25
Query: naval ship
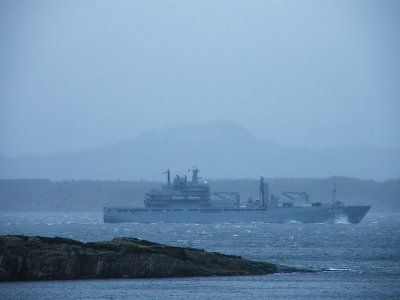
x,y
184,201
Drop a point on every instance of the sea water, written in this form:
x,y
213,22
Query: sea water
x,y
354,261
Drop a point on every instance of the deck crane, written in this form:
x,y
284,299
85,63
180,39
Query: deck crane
x,y
227,196
291,194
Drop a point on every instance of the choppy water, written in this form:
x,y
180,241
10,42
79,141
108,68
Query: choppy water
x,y
363,259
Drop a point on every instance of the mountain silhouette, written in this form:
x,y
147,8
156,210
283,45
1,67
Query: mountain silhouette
x,y
219,149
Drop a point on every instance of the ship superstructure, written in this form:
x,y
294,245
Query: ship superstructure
x,y
181,193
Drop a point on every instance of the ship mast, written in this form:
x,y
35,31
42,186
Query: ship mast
x,y
334,193
195,177
264,193
169,177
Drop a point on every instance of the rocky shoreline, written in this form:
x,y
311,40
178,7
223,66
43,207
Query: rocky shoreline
x,y
45,258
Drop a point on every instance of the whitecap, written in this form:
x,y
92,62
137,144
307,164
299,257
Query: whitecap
x,y
341,220
294,222
338,270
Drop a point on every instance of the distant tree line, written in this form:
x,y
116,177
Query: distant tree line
x,y
91,195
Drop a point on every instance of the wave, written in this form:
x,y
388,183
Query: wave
x,y
338,270
341,220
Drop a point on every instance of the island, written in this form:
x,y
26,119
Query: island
x,y
25,258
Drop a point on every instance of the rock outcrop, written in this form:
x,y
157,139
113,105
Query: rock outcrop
x,y
45,258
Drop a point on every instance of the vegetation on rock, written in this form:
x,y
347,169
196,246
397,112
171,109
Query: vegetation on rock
x,y
45,258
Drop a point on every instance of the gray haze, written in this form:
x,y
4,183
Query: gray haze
x,y
220,149
76,75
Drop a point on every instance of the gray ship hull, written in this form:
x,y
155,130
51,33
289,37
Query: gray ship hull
x,y
314,214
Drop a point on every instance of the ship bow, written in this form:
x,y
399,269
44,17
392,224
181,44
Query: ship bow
x,y
356,213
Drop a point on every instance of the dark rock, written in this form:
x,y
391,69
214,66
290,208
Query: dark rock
x,y
44,258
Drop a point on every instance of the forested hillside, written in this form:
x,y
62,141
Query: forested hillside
x,y
46,195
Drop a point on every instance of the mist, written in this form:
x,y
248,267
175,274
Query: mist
x,y
169,144
83,75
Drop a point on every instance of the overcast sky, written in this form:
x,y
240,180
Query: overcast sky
x,y
77,74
